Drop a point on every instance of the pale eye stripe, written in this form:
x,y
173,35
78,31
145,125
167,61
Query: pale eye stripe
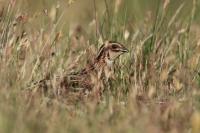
x,y
115,43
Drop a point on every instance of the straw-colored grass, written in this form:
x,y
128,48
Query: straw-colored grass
x,y
157,84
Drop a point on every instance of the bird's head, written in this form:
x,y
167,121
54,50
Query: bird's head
x,y
111,50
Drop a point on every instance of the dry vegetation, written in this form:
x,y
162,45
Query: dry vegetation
x,y
156,87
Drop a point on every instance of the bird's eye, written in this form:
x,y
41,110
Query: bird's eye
x,y
114,46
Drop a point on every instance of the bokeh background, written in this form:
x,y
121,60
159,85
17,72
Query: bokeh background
x,y
157,84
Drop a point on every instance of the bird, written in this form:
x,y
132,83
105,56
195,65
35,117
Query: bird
x,y
85,80
100,69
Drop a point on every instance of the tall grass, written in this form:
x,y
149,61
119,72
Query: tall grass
x,y
156,86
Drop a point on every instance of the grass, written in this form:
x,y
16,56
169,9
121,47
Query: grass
x,y
156,90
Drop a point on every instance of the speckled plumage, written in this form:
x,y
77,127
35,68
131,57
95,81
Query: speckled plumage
x,y
91,77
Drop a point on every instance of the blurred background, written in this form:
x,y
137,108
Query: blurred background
x,y
156,84
69,14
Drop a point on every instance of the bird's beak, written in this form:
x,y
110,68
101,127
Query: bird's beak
x,y
124,50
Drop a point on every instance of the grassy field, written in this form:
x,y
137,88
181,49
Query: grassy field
x,y
157,84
